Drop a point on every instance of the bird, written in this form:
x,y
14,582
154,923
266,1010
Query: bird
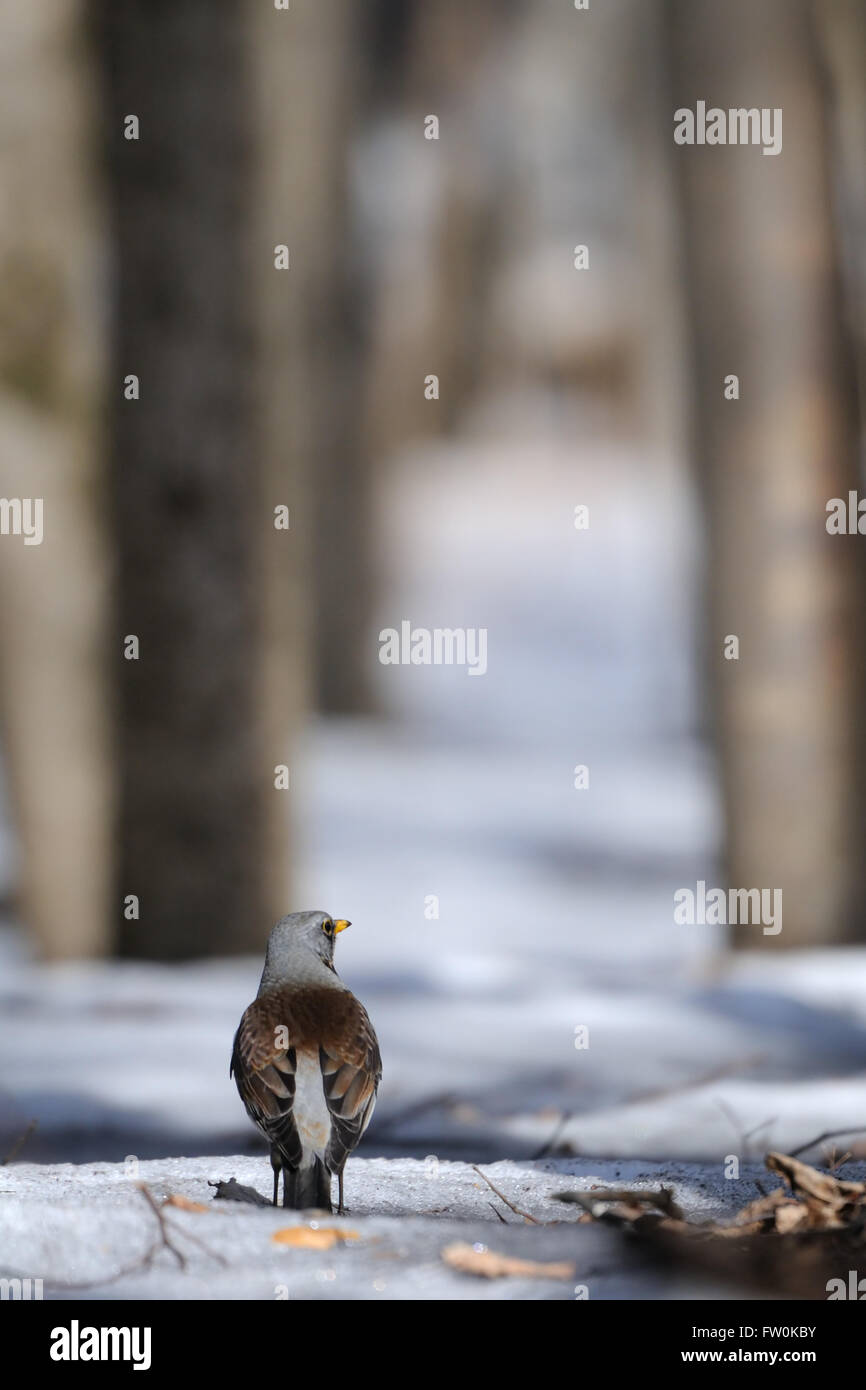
x,y
306,1061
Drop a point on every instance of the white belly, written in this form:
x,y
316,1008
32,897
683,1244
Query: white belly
x,y
312,1116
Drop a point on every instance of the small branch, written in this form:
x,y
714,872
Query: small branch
x,y
838,1163
19,1143
503,1198
828,1134
214,1254
744,1134
144,1261
549,1146
163,1227
662,1199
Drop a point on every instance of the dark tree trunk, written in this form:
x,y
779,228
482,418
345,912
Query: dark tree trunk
x,y
192,501
322,78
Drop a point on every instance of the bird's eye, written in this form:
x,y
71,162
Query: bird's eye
x,y
328,927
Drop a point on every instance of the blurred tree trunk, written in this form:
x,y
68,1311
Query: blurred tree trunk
x,y
438,245
54,615
764,289
287,561
321,77
205,581
843,30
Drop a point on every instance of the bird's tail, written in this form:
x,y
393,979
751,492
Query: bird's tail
x,y
307,1187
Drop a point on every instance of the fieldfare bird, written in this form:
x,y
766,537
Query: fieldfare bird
x,y
306,1061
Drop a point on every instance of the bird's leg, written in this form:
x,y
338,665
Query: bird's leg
x,y
340,1190
276,1165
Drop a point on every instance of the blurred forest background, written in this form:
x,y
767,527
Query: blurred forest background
x,y
154,257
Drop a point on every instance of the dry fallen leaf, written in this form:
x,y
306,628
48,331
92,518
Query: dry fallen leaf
x,y
175,1199
790,1216
807,1181
488,1264
306,1238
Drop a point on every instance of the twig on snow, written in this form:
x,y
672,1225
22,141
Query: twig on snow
x,y
503,1198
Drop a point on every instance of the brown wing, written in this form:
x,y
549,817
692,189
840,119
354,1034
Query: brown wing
x,y
351,1072
264,1072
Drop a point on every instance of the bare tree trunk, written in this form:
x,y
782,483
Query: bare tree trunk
x,y
318,85
765,306
288,561
843,31
54,615
196,478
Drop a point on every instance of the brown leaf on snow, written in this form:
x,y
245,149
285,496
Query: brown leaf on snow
x,y
307,1238
488,1264
175,1199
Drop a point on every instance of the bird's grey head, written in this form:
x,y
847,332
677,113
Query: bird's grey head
x,y
294,937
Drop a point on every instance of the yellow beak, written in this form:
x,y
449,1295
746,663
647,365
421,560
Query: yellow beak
x,y
341,924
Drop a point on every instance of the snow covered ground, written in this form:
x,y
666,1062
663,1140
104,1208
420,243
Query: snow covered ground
x,y
85,1231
